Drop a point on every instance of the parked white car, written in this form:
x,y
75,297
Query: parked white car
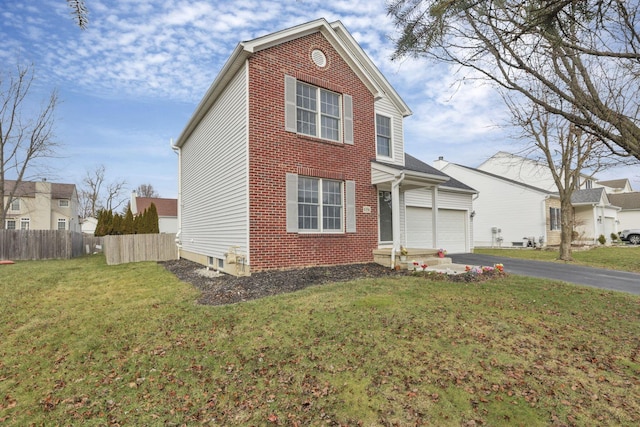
x,y
632,236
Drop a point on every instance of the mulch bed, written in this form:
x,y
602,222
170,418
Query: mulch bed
x,y
226,289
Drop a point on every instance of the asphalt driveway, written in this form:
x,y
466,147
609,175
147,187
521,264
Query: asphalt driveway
x,y
597,277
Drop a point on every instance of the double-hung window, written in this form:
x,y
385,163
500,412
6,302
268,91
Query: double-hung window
x,y
319,205
11,224
24,223
318,112
383,135
554,218
63,203
15,205
62,224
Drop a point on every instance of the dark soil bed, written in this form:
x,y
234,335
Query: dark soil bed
x,y
227,289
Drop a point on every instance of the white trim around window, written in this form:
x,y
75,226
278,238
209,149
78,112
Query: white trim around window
x,y
384,143
10,224
62,224
15,205
318,112
25,223
63,203
320,205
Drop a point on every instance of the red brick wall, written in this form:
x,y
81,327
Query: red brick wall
x,y
275,152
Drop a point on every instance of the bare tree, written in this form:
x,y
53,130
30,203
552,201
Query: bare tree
x,y
146,190
568,152
25,136
95,194
579,59
79,12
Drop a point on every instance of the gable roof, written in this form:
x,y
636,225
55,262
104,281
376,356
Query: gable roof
x,y
614,183
589,196
338,37
165,207
413,163
28,189
626,201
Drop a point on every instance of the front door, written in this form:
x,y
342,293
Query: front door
x,y
385,217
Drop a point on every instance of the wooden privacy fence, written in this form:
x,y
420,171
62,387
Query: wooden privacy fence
x,y
40,244
140,247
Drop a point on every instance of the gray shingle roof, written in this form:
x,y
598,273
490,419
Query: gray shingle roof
x,y
626,201
28,189
614,183
591,195
413,164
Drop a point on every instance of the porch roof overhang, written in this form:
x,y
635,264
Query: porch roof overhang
x,y
384,173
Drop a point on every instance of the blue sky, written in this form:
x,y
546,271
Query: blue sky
x,y
131,80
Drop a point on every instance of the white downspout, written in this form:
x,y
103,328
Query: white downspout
x,y
395,216
178,151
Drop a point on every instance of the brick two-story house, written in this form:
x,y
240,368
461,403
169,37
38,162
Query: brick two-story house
x,y
295,157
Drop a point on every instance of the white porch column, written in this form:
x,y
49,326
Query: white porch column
x,y
395,217
434,214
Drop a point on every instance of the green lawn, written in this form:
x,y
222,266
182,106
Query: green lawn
x,y
87,344
626,258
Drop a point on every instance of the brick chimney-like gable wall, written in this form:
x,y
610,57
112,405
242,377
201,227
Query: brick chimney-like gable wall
x,y
274,152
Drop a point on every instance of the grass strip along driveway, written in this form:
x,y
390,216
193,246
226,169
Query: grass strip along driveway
x,y
87,344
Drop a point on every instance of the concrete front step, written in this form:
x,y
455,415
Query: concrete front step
x,y
422,256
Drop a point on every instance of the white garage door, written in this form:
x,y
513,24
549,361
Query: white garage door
x,y
452,230
419,230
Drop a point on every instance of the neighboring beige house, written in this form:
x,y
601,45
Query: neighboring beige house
x,y
41,205
167,211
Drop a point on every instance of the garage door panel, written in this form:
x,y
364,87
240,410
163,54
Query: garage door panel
x,y
452,231
419,228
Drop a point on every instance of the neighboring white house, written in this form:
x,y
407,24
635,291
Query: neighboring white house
x,y
41,205
518,204
629,215
167,211
507,212
88,225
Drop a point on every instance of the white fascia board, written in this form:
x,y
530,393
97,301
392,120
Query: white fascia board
x,y
233,64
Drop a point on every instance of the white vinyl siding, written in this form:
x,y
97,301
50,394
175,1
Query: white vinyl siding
x,y
215,213
385,108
